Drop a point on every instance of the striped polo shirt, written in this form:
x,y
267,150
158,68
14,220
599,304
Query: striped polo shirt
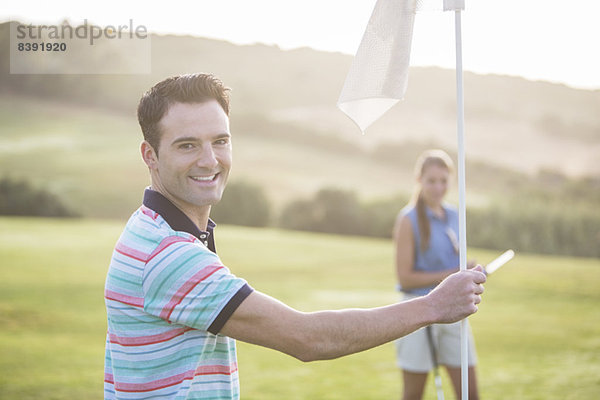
x,y
167,296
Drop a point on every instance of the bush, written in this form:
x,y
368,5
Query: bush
x,y
297,215
340,211
244,204
331,211
21,198
380,215
535,227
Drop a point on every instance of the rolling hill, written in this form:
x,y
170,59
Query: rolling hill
x,y
78,134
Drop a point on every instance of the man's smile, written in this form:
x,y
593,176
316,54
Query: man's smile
x,y
205,178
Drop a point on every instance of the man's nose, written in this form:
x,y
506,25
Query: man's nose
x,y
207,158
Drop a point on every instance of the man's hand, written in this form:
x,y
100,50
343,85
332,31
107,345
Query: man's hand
x,y
458,295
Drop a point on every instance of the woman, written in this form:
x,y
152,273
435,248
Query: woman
x,y
426,240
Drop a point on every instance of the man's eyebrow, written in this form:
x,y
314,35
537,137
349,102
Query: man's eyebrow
x,y
184,139
195,139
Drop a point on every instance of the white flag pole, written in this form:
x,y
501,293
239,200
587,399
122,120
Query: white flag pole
x,y
377,80
457,6
462,228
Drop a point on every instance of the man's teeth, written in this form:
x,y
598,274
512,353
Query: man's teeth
x,y
203,178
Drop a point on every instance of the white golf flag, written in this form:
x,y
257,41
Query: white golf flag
x,y
379,73
378,77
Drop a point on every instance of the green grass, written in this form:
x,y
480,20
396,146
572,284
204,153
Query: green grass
x,y
537,332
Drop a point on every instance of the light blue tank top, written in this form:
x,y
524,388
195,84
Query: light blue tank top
x,y
442,253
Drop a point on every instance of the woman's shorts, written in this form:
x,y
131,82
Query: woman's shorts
x,y
414,354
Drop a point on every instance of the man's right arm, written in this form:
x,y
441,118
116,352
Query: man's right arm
x,y
267,322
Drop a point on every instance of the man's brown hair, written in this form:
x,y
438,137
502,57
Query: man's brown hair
x,y
190,88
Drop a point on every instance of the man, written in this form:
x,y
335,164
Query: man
x,y
174,310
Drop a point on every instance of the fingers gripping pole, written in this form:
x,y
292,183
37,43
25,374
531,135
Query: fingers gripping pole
x,y
457,6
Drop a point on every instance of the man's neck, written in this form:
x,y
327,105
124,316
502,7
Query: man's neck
x,y
197,214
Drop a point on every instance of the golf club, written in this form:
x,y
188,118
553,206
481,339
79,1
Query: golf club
x,y
500,261
436,372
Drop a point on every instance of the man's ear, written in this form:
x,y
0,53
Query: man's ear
x,y
149,155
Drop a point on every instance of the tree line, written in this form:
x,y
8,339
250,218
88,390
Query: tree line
x,y
565,222
535,222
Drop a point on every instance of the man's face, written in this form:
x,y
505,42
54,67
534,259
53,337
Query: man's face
x,y
194,156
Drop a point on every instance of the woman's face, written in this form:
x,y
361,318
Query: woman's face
x,y
434,184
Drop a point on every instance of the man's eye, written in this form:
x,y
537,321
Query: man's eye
x,y
186,146
222,141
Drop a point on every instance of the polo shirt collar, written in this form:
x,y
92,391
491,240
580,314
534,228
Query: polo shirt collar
x,y
177,219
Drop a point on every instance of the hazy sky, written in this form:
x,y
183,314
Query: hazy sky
x,y
549,40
